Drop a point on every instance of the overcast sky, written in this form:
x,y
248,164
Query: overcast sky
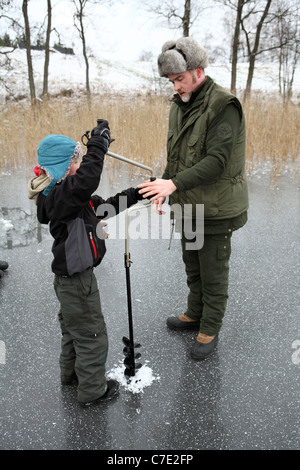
x,y
123,30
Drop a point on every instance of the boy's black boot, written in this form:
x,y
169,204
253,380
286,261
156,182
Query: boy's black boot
x,y
111,391
3,265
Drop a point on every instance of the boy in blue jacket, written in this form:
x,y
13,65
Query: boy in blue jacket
x,y
63,191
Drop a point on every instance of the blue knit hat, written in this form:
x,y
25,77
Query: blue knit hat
x,y
55,153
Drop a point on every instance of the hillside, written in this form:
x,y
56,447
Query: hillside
x,y
67,76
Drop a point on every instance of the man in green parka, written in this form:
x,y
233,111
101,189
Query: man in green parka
x,y
205,168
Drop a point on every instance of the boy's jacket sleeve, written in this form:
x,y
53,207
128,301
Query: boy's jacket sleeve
x,y
115,204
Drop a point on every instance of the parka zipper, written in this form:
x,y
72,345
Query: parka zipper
x,y
91,235
93,244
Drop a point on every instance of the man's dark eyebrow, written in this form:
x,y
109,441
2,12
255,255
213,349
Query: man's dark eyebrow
x,y
179,76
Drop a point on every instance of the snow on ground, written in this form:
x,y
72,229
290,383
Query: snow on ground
x,y
5,225
67,72
143,378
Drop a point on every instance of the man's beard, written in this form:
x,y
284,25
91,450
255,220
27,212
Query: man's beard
x,y
186,98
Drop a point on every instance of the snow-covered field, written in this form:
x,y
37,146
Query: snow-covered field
x,y
67,72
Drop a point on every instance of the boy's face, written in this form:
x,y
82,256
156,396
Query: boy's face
x,y
74,167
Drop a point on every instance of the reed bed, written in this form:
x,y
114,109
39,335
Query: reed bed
x,y
273,134
139,124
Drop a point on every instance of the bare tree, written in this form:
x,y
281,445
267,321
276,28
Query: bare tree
x,y
28,51
5,9
47,51
179,14
24,34
79,25
235,44
5,54
253,47
254,18
237,7
286,29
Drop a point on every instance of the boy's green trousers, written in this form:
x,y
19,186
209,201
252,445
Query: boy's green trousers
x,y
84,344
207,271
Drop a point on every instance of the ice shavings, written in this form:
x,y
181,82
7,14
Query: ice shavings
x,y
143,378
5,225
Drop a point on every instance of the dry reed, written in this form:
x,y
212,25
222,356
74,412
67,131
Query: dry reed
x,y
273,133
139,125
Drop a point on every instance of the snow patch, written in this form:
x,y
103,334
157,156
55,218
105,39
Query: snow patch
x,y
143,378
5,225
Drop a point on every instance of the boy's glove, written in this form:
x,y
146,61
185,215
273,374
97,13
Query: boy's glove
x,y
139,196
102,129
100,135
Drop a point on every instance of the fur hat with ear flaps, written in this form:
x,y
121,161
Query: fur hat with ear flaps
x,y
55,156
181,55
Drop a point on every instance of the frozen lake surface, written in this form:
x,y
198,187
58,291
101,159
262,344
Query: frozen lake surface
x,y
245,396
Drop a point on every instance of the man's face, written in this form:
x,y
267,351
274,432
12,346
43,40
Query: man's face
x,y
186,82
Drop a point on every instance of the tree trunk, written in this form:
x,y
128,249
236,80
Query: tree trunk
x,y
79,17
186,18
235,45
252,53
28,52
250,76
87,75
47,54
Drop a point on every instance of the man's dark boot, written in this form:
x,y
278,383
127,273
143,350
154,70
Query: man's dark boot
x,y
203,346
183,322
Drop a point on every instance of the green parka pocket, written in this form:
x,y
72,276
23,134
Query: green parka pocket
x,y
191,152
195,149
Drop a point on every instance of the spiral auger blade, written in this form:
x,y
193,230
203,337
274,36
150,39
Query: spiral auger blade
x,y
130,357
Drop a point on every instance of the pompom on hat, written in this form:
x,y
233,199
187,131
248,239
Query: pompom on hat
x,y
55,155
181,55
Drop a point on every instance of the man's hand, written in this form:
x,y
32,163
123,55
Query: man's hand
x,y
105,235
157,189
157,205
